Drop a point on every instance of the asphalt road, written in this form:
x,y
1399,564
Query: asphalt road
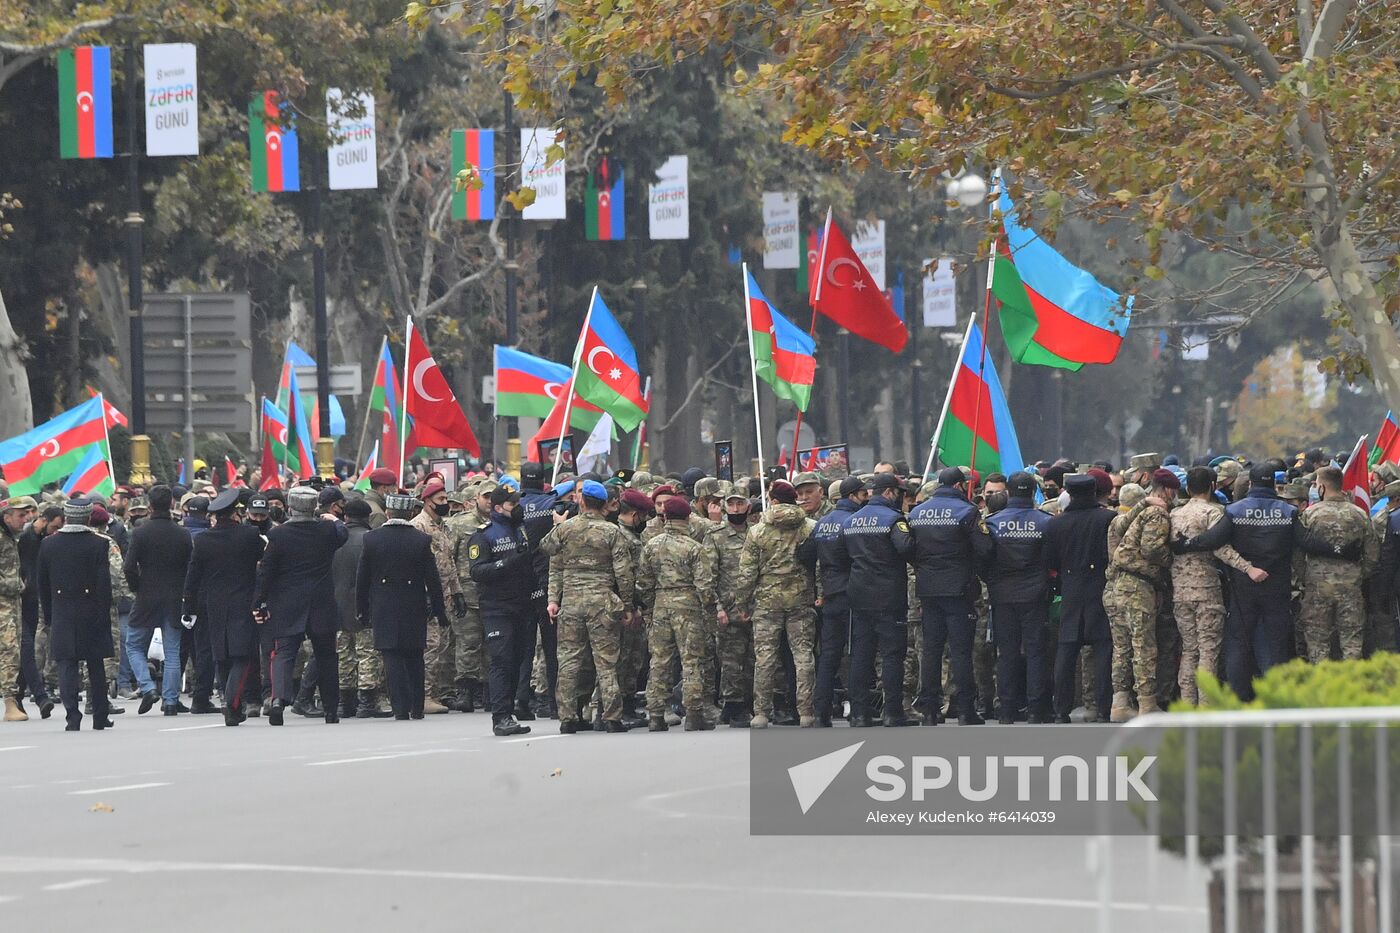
x,y
437,825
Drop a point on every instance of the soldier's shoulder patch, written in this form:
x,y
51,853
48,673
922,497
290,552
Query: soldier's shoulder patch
x,y
982,526
902,525
474,551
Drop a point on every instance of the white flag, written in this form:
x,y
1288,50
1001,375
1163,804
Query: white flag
x,y
546,180
781,249
172,100
352,156
593,456
940,295
668,201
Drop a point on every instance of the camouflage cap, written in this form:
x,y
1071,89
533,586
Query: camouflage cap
x,y
1296,491
138,504
927,489
738,491
19,504
1387,471
724,487
485,487
833,490
461,495
642,478
706,486
1141,462
1130,495
1228,470
1392,489
803,479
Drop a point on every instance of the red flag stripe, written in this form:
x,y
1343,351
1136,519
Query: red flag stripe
x,y
89,432
965,407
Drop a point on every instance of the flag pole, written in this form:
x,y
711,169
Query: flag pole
x,y
639,440
569,402
403,399
753,372
982,361
947,399
812,330
107,436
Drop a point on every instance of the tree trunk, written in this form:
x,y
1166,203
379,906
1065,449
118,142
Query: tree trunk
x,y
17,414
1372,325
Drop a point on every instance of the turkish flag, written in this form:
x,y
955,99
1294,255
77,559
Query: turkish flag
x,y
1356,478
438,421
845,292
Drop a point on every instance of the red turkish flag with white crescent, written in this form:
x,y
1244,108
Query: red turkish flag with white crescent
x,y
846,292
1356,477
438,421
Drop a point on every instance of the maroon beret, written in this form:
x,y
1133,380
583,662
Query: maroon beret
x,y
783,491
99,517
1166,479
676,507
1102,481
663,491
383,477
432,489
636,500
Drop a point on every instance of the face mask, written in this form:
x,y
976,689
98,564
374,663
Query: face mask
x,y
277,514
1313,495
996,502
442,509
738,518
517,514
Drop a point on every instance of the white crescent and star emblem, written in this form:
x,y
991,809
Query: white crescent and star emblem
x,y
274,139
855,281
604,199
418,372
45,452
592,354
552,389
282,435
84,101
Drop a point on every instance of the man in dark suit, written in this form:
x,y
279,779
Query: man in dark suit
x,y
155,567
296,596
74,579
1076,554
219,592
397,587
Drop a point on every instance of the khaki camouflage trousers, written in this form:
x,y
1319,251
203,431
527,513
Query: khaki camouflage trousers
x,y
469,648
632,656
589,633
437,661
9,647
361,667
912,654
1327,609
1133,624
675,632
735,648
111,666
768,626
1201,623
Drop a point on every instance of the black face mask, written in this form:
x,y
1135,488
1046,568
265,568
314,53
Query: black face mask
x,y
996,502
516,514
737,518
442,509
277,514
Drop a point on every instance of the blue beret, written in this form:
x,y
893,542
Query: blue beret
x,y
564,488
595,490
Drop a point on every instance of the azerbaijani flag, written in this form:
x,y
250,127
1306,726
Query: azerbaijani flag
x,y
54,449
384,398
477,149
85,102
783,356
1387,448
607,368
604,207
273,147
109,411
93,476
296,356
977,407
1052,312
285,448
531,386
372,464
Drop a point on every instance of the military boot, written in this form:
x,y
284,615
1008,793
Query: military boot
x,y
1148,704
368,707
630,718
657,724
431,705
1122,707
349,705
696,722
759,721
740,718
12,711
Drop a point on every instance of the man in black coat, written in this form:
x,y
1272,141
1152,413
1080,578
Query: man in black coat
x,y
296,597
361,666
74,578
30,678
502,567
1076,554
397,587
156,562
219,591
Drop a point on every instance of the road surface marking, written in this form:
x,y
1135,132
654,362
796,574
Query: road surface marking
x,y
533,738
73,885
212,725
17,748
113,790
36,864
351,761
6,898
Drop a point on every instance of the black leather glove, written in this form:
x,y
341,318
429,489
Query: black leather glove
x,y
459,605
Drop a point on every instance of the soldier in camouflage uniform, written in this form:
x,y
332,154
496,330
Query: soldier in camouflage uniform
x,y
1340,549
592,584
1380,595
735,635
1139,566
776,580
437,657
810,495
468,636
634,510
16,513
1198,603
700,528
1130,505
121,590
676,580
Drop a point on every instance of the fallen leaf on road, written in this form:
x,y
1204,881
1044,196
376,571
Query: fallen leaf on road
x,y
100,808
556,772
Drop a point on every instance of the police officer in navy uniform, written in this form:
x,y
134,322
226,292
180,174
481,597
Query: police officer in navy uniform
x,y
951,541
1259,627
538,510
503,568
878,545
1076,555
834,565
397,587
1019,590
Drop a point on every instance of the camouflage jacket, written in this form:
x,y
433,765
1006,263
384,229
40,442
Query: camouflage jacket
x,y
1196,575
633,539
589,559
1339,523
699,528
462,527
727,545
1145,550
120,588
676,572
770,574
11,578
435,528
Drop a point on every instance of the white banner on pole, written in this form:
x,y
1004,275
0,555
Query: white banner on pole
x,y
940,295
869,244
352,156
781,242
1195,345
172,100
668,201
546,180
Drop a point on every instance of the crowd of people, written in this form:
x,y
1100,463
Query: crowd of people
x,y
613,603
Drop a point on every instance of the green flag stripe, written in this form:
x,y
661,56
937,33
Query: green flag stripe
x,y
1019,322
67,106
459,162
55,470
592,389
955,448
257,144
